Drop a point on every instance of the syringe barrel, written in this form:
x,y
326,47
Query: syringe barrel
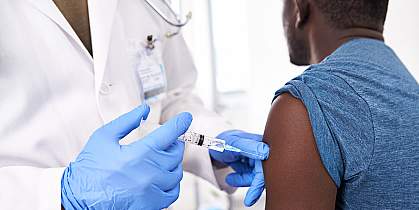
x,y
194,138
203,141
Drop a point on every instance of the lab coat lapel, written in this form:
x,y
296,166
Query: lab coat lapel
x,y
48,8
102,14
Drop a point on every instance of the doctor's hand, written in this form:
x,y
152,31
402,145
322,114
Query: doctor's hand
x,y
247,167
143,175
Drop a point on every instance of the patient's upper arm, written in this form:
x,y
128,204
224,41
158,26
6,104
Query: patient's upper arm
x,y
294,174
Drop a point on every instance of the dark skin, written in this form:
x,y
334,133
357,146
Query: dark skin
x,y
294,174
77,14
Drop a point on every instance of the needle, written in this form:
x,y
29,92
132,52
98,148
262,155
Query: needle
x,y
235,149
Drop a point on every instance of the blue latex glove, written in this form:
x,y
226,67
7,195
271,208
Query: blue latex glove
x,y
248,168
143,175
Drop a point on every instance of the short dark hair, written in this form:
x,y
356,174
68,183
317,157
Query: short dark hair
x,y
349,13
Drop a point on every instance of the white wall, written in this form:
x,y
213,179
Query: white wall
x,y
402,32
197,35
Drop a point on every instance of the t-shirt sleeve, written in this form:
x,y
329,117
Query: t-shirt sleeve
x,y
340,120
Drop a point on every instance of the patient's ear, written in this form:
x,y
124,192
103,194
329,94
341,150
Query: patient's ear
x,y
302,13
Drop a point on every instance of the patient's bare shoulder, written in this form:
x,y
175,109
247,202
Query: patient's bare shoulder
x,y
294,174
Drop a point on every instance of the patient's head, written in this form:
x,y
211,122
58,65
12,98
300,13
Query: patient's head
x,y
308,21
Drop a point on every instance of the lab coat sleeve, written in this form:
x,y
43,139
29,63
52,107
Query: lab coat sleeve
x,y
181,76
24,187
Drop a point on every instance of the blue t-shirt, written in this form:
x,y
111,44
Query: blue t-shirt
x,y
363,105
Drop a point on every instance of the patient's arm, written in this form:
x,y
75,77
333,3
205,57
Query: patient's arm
x,y
294,174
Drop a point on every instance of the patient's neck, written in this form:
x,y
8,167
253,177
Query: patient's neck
x,y
325,42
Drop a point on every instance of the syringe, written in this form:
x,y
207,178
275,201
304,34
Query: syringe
x,y
212,143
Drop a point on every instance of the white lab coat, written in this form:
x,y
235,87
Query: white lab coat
x,y
53,95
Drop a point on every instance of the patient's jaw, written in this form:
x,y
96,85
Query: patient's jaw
x,y
296,34
312,36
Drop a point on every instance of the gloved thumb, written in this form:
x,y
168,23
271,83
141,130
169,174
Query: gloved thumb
x,y
250,144
169,132
123,125
250,148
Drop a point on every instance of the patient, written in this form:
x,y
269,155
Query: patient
x,y
345,133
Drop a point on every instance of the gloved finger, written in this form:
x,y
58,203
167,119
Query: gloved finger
x,y
170,159
250,144
255,191
255,137
228,133
162,199
171,196
258,167
225,157
250,148
241,167
240,134
239,179
251,163
169,179
123,125
168,133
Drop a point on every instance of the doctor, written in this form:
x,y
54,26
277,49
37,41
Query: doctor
x,y
68,72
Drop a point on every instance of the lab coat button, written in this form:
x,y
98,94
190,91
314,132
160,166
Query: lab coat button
x,y
106,88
